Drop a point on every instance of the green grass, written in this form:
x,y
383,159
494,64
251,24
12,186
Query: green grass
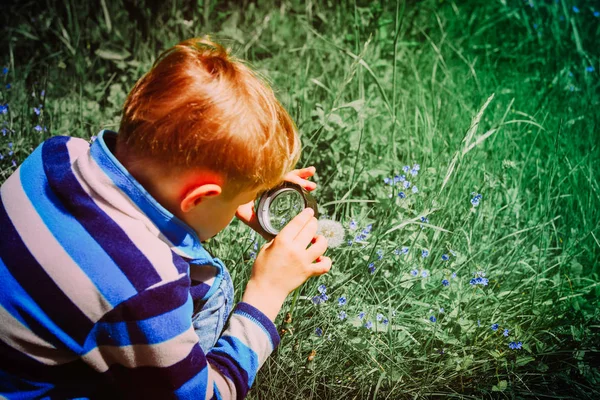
x,y
373,87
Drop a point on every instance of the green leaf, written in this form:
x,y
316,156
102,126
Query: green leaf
x,y
500,387
117,55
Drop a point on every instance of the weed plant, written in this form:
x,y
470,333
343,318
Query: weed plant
x,y
456,141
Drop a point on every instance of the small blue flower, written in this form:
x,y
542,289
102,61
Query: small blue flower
x,y
42,93
10,145
441,310
385,321
406,184
424,273
1,156
324,297
353,225
37,128
37,111
478,323
505,333
372,268
317,300
4,71
319,332
8,86
342,301
414,189
515,346
596,14
10,153
322,289
416,167
369,325
14,163
387,181
445,257
401,178
575,9
432,318
590,69
414,172
255,246
494,327
445,282
453,275
402,195
342,315
414,272
406,168
424,253
361,315
379,317
379,254
425,220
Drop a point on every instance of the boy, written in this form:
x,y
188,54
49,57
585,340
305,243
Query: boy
x,y
105,288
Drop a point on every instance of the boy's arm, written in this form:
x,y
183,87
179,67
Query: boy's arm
x,y
148,347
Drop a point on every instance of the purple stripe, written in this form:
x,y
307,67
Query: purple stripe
x,y
151,302
261,318
182,266
57,166
232,370
41,288
156,382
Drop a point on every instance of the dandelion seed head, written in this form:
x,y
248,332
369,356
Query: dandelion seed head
x,y
333,232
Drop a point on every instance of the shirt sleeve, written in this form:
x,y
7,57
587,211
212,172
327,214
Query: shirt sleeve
x,y
148,348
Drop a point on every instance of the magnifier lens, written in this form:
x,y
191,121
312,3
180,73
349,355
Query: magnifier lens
x,y
284,207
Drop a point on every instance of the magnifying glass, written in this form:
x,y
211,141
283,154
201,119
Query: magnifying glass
x,y
279,205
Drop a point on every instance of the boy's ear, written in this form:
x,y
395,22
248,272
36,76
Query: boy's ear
x,y
194,196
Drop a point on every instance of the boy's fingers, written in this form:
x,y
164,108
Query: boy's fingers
x,y
318,248
321,267
307,233
295,226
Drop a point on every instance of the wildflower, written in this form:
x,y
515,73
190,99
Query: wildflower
x,y
324,297
372,268
37,128
404,250
379,254
4,71
414,272
479,281
476,199
342,301
453,275
333,232
590,69
10,145
445,257
387,181
369,325
414,172
319,332
385,321
361,315
425,220
3,108
406,184
414,189
322,289
575,10
379,317
400,178
406,168
14,163
255,246
342,315
353,225
8,86
445,282
441,310
37,110
432,318
494,327
402,195
1,156
596,14
515,346
42,93
424,273
453,253
10,153
317,300
478,323
505,333
424,253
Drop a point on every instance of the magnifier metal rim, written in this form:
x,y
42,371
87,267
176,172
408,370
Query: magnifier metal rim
x,y
266,199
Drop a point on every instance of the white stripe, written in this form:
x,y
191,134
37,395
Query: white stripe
x,y
160,355
225,385
140,230
251,335
77,147
19,337
49,253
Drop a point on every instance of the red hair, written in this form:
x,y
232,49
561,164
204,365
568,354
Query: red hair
x,y
200,108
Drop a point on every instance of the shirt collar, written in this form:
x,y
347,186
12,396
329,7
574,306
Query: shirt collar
x,y
184,240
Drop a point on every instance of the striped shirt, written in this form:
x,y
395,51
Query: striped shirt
x,y
96,298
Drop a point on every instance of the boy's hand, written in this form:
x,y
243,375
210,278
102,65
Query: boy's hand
x,y
246,213
285,263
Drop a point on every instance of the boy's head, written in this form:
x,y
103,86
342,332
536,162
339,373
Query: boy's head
x,y
203,133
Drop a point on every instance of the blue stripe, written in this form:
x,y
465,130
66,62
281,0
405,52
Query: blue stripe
x,y
38,284
175,230
243,355
117,244
83,249
154,330
216,392
195,388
